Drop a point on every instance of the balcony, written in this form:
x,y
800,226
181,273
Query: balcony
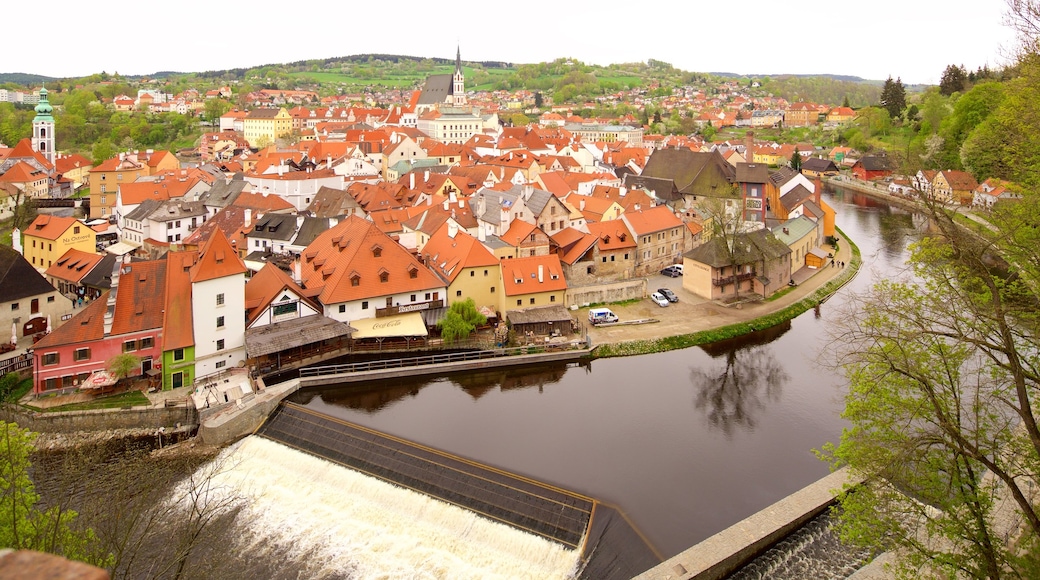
x,y
733,279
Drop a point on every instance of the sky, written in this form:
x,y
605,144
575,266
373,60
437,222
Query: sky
x,y
910,39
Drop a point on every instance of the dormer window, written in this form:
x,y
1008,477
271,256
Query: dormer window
x,y
413,272
384,276
377,251
355,280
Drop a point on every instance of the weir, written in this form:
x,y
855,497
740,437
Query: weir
x,y
609,545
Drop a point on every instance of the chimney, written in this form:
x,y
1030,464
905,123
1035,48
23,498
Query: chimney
x,y
541,273
818,190
453,230
16,240
749,147
481,235
297,274
426,175
581,206
411,180
247,216
462,203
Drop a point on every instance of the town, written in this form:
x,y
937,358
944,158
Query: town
x,y
335,227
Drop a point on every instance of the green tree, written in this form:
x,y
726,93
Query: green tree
x,y
954,80
215,108
122,365
102,150
943,382
893,97
24,523
460,321
796,160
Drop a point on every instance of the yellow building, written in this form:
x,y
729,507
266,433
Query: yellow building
x,y
470,269
49,237
532,281
263,127
106,178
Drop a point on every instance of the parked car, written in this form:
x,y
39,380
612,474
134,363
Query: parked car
x,y
668,294
674,271
601,316
659,299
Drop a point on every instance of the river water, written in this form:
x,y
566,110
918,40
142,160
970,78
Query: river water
x,y
687,442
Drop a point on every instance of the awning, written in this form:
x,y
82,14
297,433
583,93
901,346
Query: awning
x,y
410,324
121,248
99,379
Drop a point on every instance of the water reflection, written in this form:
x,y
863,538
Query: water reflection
x,y
732,393
374,396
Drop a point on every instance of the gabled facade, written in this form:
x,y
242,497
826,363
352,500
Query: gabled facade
x,y
470,269
726,267
356,271
48,237
263,127
26,298
273,297
106,178
218,304
953,187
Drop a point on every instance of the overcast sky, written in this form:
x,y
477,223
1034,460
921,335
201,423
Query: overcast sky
x,y
911,39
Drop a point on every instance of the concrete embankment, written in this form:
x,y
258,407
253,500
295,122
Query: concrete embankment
x,y
721,554
874,190
233,421
150,418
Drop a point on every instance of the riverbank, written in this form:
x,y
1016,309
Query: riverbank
x,y
695,321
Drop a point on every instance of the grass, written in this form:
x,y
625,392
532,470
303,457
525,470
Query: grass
x,y
20,391
119,401
667,343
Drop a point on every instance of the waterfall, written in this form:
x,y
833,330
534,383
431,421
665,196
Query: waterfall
x,y
347,524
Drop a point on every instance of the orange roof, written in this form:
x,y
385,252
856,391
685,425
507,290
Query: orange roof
x,y
22,172
67,163
262,202
140,297
651,220
218,259
520,275
391,220
356,249
50,227
267,285
24,150
448,255
518,230
178,329
73,265
612,234
88,324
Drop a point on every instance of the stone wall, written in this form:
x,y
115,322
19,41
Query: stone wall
x,y
102,419
607,293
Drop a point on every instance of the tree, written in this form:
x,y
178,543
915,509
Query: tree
x,y
893,97
460,321
215,108
796,160
845,101
122,365
24,524
943,378
954,80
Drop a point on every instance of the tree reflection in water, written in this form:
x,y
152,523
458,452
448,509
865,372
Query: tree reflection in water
x,y
732,393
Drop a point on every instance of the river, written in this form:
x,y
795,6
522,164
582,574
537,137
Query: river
x,y
686,442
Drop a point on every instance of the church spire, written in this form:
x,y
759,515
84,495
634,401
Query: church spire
x,y
43,127
458,82
458,59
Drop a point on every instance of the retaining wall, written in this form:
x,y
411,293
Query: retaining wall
x,y
635,289
720,555
102,419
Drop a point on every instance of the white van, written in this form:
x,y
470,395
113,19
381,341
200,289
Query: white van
x,y
601,315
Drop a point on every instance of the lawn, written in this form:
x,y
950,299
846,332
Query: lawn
x,y
118,401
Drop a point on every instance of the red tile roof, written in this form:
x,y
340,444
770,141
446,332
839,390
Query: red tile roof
x,y
218,260
178,322
50,227
612,234
349,250
449,255
73,265
140,299
651,220
520,275
86,325
267,285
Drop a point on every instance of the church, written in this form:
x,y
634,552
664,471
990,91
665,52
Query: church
x,y
442,110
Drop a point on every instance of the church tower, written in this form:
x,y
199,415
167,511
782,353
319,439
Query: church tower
x,y
43,128
458,82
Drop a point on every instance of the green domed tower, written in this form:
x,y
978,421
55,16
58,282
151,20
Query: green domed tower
x,y
43,128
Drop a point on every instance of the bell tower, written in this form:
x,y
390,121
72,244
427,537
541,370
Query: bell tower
x,y
458,82
43,128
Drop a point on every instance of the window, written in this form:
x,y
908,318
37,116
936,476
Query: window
x,y
51,358
14,306
81,354
485,273
492,289
472,273
519,302
364,305
532,301
342,308
552,298
75,229
50,299
51,383
604,259
220,322
130,346
220,344
221,364
355,281
220,299
458,293
384,276
178,354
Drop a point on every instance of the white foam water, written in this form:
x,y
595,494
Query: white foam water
x,y
346,524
